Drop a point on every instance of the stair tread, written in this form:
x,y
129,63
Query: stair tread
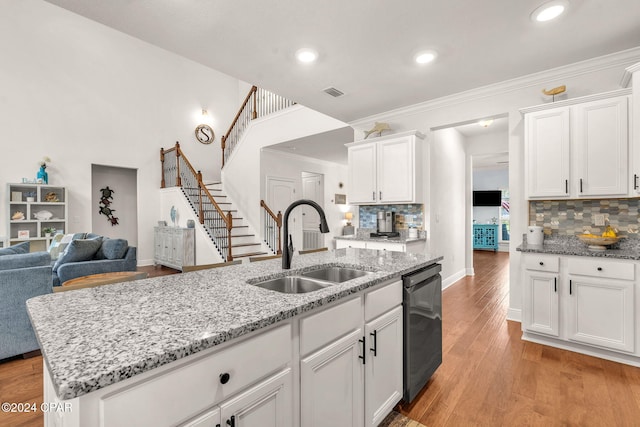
x,y
250,254
240,245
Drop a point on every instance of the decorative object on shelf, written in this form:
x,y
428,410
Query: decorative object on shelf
x,y
162,223
17,215
191,223
42,215
105,201
42,173
555,91
377,128
48,231
16,196
51,197
204,134
173,214
30,196
23,234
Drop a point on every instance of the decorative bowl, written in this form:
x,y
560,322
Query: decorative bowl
x,y
597,243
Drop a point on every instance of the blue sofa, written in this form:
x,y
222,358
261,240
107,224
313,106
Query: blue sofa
x,y
22,276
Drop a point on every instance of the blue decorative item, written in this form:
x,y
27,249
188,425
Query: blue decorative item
x,y
173,215
42,174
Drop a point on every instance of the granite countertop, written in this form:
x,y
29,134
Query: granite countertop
x,y
570,245
91,338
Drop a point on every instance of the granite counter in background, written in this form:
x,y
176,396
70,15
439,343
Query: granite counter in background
x,y
628,248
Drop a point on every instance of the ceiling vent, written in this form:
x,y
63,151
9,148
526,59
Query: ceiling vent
x,y
333,92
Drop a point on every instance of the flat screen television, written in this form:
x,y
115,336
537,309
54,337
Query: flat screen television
x,y
487,198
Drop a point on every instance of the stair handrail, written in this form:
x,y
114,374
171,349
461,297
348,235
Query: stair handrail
x,y
258,103
202,189
277,219
244,104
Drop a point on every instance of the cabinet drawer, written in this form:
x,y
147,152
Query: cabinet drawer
x,y
320,329
174,396
382,300
380,246
596,267
542,263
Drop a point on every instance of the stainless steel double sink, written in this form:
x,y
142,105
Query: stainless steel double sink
x,y
311,280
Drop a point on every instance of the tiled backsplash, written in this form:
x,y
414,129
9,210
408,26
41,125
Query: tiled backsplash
x,y
571,217
405,215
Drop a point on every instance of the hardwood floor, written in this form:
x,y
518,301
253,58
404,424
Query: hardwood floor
x,y
489,376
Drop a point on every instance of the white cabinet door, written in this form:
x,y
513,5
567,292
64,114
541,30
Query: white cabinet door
x,y
331,384
600,135
541,309
600,312
268,404
547,137
383,368
396,170
362,174
208,419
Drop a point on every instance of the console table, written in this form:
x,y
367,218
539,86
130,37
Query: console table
x,y
485,236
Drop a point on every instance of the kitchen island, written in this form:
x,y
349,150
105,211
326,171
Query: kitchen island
x,y
139,352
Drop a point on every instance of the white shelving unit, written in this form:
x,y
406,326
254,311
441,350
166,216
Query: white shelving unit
x,y
31,199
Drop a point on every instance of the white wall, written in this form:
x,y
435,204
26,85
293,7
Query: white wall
x,y
589,77
448,201
278,164
82,94
241,175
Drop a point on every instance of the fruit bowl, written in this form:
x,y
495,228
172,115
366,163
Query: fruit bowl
x,y
597,243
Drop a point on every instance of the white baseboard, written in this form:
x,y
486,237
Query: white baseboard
x,y
514,314
471,272
453,278
145,262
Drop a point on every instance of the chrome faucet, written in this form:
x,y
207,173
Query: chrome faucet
x,y
287,253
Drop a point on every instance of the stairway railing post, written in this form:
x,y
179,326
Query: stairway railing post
x,y
162,183
254,114
279,233
229,227
200,185
178,179
223,145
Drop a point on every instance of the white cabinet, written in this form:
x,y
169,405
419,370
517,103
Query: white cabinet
x,y
542,310
332,392
174,247
386,169
601,305
412,246
352,375
579,148
634,135
583,300
42,206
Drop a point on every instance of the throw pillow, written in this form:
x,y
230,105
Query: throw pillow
x,y
112,249
78,250
20,248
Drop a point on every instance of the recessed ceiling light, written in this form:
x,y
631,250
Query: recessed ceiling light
x,y
425,56
485,123
549,10
306,55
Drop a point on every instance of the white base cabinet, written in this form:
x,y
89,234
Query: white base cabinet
x,y
414,246
583,300
174,247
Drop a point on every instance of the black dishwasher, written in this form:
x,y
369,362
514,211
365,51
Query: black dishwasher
x,y
422,303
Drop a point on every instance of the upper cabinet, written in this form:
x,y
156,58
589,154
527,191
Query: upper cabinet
x,y
634,174
386,169
578,148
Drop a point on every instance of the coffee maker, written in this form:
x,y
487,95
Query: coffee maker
x,y
386,224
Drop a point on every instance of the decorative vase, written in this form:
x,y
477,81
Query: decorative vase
x,y
47,235
43,175
191,223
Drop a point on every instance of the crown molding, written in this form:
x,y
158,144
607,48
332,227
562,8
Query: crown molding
x,y
614,60
579,100
628,73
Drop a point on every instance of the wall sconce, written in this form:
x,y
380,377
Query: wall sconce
x,y
348,216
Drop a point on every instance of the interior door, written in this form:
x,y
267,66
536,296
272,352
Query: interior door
x,y
312,189
281,192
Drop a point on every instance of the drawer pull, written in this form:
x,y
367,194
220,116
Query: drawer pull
x,y
541,263
570,288
232,421
599,268
555,284
224,378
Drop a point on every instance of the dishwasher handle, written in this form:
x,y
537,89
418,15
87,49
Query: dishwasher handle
x,y
413,279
